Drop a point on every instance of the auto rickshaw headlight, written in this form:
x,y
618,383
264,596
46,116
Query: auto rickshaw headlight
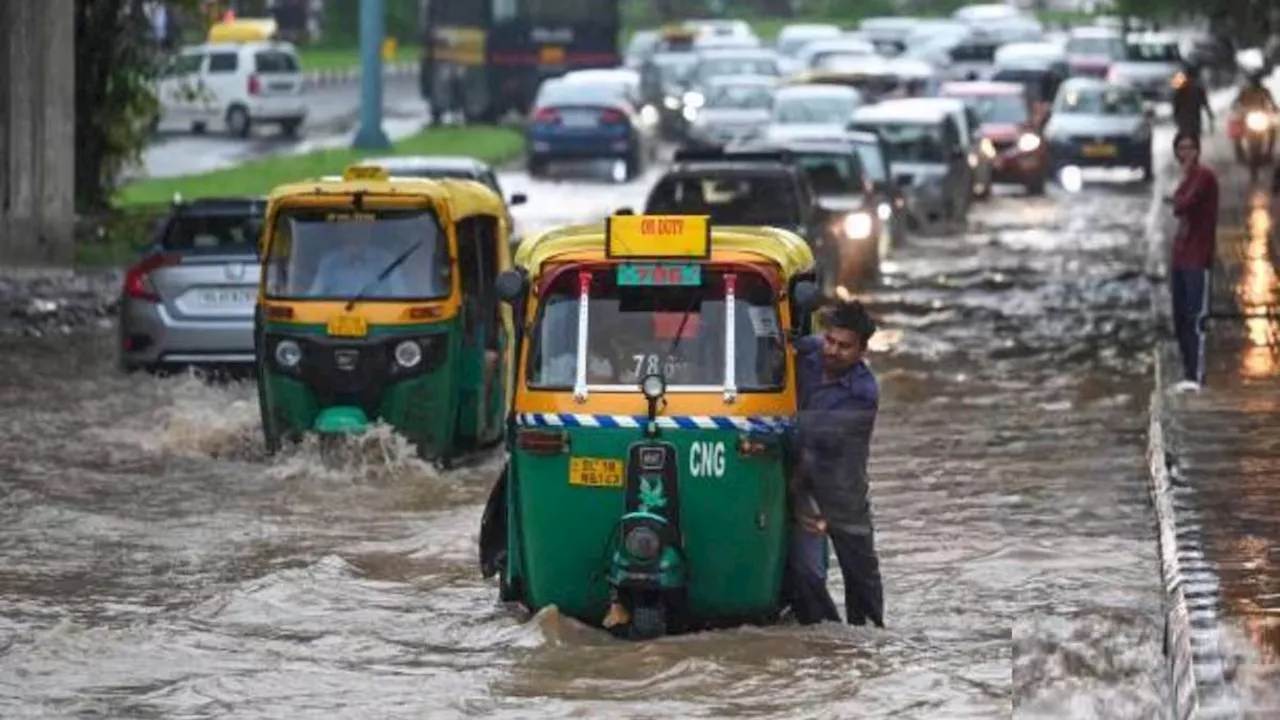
x,y
288,353
408,353
643,543
858,226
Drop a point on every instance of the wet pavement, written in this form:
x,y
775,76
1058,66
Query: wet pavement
x,y
1224,444
333,115
153,563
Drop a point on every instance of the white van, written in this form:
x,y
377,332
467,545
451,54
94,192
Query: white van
x,y
234,82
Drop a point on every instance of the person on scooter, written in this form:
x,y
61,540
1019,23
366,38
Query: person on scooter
x,y
1189,100
1254,96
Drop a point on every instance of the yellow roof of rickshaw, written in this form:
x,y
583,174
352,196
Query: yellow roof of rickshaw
x,y
783,248
237,31
463,197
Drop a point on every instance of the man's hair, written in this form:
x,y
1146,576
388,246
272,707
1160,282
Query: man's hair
x,y
852,316
1185,136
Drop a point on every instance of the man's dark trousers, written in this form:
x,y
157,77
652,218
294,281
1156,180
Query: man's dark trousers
x,y
1190,292
863,590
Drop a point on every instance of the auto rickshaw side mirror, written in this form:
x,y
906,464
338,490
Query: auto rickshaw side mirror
x,y
518,199
624,211
806,297
511,286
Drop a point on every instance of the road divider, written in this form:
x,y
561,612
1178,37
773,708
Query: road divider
x,y
329,76
491,144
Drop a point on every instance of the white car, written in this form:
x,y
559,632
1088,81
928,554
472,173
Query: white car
x,y
233,86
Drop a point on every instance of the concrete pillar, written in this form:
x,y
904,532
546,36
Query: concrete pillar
x,y
37,60
57,131
373,19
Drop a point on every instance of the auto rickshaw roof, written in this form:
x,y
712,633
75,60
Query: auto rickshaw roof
x,y
463,197
587,243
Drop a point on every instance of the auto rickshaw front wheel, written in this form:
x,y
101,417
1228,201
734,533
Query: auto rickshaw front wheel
x,y
648,622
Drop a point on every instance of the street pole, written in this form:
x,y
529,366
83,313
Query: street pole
x,y
371,136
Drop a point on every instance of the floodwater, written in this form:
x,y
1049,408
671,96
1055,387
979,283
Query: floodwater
x,y
154,564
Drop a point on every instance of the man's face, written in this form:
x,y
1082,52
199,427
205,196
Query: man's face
x,y
841,350
1187,153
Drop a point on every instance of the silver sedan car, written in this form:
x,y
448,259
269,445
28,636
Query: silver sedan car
x,y
189,301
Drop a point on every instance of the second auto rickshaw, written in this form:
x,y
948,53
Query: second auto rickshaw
x,y
647,484
377,302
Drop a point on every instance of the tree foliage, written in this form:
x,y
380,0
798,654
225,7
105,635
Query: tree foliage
x,y
117,63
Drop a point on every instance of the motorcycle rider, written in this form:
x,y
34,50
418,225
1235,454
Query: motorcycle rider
x,y
1255,96
1189,100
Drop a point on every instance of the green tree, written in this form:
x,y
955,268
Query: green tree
x,y
117,63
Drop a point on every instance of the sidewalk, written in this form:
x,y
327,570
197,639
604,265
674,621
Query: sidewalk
x,y
1215,460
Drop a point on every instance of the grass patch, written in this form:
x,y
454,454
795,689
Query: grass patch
x,y
346,57
487,143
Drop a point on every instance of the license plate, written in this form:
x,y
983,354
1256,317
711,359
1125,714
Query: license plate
x,y
1101,150
579,119
595,472
280,87
348,326
660,275
227,298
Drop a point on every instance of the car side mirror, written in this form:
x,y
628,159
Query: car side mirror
x,y
806,297
511,286
518,199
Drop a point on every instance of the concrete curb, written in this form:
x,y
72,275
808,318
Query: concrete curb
x,y
346,76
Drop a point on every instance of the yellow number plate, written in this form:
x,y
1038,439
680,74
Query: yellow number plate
x,y
1102,150
595,472
551,56
348,326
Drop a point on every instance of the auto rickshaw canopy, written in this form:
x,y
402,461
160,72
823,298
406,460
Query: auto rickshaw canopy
x,y
239,31
458,197
625,238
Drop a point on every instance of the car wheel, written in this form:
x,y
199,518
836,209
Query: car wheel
x,y
536,166
289,128
1036,187
238,123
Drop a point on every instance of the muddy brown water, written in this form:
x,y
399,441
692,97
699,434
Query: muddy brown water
x,y
154,564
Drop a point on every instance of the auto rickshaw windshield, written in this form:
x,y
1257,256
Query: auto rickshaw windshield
x,y
631,332
1003,109
341,254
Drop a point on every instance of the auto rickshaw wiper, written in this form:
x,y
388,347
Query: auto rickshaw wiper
x,y
390,268
684,320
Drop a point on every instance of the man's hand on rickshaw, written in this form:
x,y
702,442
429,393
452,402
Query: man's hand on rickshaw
x,y
811,523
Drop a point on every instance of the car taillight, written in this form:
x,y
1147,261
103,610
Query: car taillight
x,y
610,116
255,85
546,116
135,280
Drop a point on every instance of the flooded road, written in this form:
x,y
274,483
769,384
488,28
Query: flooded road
x,y
154,564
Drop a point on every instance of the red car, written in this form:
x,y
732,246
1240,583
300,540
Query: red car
x,y
1092,50
1010,131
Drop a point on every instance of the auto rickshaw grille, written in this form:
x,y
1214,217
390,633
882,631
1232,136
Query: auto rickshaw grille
x,y
347,374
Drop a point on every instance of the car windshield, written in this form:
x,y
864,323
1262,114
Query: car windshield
x,y
999,109
716,67
832,173
340,253
1112,101
1153,52
872,161
793,44
740,97
673,71
738,200
813,109
631,330
580,92
1111,47
223,232
913,142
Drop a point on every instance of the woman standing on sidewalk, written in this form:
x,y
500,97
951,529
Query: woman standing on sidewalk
x,y
1195,205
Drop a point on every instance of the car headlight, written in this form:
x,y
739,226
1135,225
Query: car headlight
x,y
858,226
987,148
884,211
649,114
643,543
288,354
1029,143
1257,121
671,103
408,353
973,160
690,113
694,100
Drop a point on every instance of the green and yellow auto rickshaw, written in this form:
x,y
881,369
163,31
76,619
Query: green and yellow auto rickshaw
x,y
378,302
646,489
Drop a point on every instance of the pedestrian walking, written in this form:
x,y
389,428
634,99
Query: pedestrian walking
x,y
1190,99
1195,206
